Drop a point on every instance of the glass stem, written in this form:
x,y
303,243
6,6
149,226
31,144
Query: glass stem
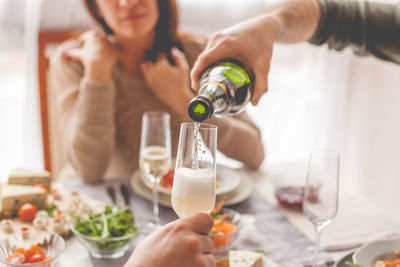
x,y
318,230
156,218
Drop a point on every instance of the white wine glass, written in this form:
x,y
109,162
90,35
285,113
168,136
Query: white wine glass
x,y
320,202
155,156
193,189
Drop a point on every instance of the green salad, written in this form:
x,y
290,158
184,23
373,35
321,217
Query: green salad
x,y
112,223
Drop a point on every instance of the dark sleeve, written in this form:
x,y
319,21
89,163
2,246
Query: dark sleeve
x,y
369,28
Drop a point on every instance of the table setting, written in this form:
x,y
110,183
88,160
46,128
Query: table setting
x,y
265,216
265,226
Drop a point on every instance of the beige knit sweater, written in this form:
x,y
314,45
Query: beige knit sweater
x,y
101,123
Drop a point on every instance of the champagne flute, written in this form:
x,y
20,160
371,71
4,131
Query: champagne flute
x,y
155,156
320,202
193,189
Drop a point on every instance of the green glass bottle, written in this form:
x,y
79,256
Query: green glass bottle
x,y
224,89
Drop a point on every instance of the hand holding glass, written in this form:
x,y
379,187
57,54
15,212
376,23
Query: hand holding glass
x,y
193,189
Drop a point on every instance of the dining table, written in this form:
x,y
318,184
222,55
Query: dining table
x,y
283,234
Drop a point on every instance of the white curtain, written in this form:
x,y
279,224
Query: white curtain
x,y
12,85
306,103
33,147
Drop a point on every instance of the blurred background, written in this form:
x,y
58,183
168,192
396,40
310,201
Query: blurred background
x,y
317,97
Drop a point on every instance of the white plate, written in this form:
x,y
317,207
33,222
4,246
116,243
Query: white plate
x,y
370,252
229,179
240,193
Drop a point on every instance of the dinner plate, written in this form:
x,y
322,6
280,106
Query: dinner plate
x,y
239,194
368,254
229,179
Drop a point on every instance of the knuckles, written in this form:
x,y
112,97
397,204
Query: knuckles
x,y
192,244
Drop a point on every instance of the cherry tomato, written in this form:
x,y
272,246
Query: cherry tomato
x,y
54,191
168,179
36,258
16,258
59,212
27,212
41,186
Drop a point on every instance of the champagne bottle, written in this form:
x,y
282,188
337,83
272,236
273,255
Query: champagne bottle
x,y
224,89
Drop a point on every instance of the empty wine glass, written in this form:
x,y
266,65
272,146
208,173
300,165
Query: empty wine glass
x,y
193,189
155,156
320,202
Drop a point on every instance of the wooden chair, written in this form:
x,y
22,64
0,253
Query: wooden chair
x,y
46,40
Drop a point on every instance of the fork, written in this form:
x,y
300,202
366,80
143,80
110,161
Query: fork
x,y
111,193
125,194
117,195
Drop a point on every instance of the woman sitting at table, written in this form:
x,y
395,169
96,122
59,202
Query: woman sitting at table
x,y
106,79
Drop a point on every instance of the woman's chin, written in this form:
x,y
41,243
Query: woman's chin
x,y
133,32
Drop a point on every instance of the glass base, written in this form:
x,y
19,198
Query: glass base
x,y
115,255
150,227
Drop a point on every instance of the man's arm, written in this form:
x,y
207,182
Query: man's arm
x,y
369,28
288,21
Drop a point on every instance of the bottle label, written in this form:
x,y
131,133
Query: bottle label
x,y
223,87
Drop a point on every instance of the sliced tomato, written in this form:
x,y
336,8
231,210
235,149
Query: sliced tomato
x,y
41,186
27,212
23,251
35,249
168,179
36,258
16,258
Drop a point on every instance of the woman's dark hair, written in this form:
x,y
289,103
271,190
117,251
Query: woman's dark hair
x,y
166,28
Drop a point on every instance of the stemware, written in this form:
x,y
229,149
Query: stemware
x,y
155,156
193,188
322,177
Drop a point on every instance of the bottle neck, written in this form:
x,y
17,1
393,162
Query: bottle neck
x,y
212,99
200,109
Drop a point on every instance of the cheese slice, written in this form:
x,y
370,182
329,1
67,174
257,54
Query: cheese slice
x,y
242,258
14,196
30,177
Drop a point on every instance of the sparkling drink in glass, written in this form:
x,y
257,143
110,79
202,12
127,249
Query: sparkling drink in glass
x,y
155,156
194,183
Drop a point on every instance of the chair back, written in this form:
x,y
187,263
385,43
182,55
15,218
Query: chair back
x,y
54,158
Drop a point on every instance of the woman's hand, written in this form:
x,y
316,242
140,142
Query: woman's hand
x,y
168,82
97,55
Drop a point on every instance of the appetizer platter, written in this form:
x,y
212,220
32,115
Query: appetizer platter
x,y
31,210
